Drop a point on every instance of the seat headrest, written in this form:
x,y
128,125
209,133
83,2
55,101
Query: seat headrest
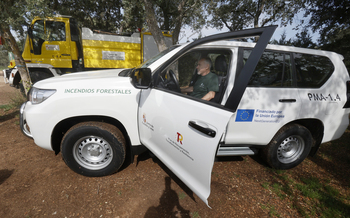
x,y
220,64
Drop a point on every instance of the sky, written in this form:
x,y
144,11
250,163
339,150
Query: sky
x,y
188,34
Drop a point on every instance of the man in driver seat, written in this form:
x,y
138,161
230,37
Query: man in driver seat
x,y
207,83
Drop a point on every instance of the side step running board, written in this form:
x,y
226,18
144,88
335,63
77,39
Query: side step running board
x,y
234,151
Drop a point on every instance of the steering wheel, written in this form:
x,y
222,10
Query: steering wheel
x,y
173,84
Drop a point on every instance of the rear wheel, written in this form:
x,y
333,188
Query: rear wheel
x,y
93,149
289,147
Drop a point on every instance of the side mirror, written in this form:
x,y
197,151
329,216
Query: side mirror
x,y
141,78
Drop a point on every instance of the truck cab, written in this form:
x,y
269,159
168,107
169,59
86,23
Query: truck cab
x,y
56,46
55,41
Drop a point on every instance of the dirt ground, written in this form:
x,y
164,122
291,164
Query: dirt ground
x,y
36,183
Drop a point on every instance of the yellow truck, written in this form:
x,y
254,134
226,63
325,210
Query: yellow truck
x,y
55,46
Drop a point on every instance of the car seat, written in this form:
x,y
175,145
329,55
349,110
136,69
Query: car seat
x,y
221,72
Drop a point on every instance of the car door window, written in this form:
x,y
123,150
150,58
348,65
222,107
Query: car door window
x,y
56,31
38,36
183,72
273,70
312,71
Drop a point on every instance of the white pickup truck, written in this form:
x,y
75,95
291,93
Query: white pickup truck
x,y
280,101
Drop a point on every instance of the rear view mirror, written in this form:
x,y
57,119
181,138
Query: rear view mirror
x,y
141,78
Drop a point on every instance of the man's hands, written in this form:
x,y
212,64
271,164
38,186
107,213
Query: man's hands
x,y
186,89
210,95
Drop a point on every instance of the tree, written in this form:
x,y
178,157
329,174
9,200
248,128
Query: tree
x,y
237,15
331,18
12,15
133,18
303,40
153,26
283,40
102,15
4,61
163,15
173,15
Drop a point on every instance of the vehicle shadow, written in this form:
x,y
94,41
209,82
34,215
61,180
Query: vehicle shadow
x,y
4,175
228,158
167,202
9,116
169,199
182,185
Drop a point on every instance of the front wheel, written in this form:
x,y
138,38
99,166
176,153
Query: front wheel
x,y
93,149
289,147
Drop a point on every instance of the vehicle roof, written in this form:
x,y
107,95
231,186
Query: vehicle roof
x,y
270,46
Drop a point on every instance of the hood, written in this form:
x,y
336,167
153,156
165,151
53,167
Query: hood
x,y
90,79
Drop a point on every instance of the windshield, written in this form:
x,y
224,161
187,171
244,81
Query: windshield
x,y
155,58
127,72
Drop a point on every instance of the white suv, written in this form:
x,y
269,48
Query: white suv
x,y
282,102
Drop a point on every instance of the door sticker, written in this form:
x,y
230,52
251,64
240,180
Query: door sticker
x,y
52,47
259,116
179,138
178,145
323,97
244,115
147,124
113,55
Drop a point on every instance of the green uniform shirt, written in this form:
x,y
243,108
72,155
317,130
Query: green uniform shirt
x,y
204,84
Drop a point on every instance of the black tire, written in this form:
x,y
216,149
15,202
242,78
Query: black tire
x,y
36,76
288,148
93,149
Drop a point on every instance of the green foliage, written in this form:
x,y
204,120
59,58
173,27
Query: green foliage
x,y
271,209
237,15
6,107
195,214
96,15
4,60
321,198
18,14
330,203
332,19
310,187
171,15
182,195
134,15
265,185
15,102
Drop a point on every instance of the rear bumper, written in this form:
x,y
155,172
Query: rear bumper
x,y
23,123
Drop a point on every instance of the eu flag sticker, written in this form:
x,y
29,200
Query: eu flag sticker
x,y
244,115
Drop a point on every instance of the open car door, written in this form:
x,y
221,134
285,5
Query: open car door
x,y
184,133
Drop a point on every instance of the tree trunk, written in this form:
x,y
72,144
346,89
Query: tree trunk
x,y
153,26
176,33
20,63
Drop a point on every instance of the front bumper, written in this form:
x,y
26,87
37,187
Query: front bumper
x,y
23,123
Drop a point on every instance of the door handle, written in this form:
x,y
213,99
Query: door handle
x,y
202,129
287,100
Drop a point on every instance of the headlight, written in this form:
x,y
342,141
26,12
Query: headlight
x,y
36,96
